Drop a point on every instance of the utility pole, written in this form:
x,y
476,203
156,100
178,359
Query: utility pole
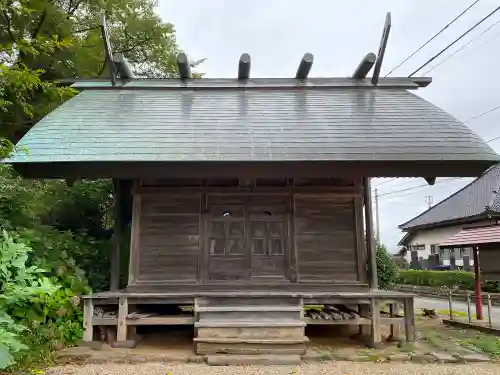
x,y
377,221
428,200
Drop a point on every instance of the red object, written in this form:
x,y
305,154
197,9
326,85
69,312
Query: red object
x,y
474,236
477,289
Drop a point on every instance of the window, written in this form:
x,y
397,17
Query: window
x,y
418,247
464,252
434,248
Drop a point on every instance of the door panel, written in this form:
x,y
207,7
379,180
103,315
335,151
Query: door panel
x,y
247,237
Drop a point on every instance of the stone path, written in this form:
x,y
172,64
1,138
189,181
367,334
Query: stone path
x,y
341,368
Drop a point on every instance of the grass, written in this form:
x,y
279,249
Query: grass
x,y
435,339
487,344
458,314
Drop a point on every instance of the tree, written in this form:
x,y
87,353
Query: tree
x,y
42,41
387,270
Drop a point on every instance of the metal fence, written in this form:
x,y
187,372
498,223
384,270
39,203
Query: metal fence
x,y
469,309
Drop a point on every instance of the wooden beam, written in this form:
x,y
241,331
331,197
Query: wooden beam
x,y
409,311
421,81
88,328
184,66
123,66
365,66
108,50
305,66
370,238
381,48
121,330
117,236
395,326
244,66
477,284
430,180
376,326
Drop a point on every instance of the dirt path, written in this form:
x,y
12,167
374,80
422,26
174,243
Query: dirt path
x,y
341,368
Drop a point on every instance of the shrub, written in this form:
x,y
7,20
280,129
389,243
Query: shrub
x,y
387,270
455,279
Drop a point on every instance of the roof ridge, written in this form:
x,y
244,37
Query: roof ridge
x,y
401,226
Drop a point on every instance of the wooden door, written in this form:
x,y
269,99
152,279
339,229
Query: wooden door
x,y
267,218
247,238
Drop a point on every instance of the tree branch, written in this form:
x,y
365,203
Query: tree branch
x,y
85,29
134,46
9,26
40,23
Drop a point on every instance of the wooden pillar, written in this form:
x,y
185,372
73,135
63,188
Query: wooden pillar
x,y
88,313
364,312
395,327
477,286
121,330
370,239
409,319
117,236
376,332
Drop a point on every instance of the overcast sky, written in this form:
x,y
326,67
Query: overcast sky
x,y
277,33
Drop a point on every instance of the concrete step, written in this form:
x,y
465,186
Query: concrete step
x,y
257,332
242,348
278,315
243,360
248,301
253,308
249,323
235,340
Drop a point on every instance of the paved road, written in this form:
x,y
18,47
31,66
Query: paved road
x,y
442,304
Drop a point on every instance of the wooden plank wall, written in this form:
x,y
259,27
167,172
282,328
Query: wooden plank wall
x,y
325,238
173,232
169,238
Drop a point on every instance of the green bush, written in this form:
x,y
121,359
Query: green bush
x,y
387,270
456,279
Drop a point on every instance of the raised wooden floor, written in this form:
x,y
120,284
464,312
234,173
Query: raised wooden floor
x,y
223,318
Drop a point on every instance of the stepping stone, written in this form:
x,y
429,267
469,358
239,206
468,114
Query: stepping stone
x,y
444,357
242,360
476,357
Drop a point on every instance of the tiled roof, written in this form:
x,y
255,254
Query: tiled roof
x,y
480,196
474,236
148,124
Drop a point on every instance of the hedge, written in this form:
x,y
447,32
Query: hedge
x,y
458,279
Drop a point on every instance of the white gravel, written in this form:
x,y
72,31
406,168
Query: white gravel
x,y
340,368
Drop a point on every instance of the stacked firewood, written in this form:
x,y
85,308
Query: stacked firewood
x,y
332,312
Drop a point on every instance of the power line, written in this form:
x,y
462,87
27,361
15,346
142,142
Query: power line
x,y
482,114
455,41
384,182
494,139
416,187
461,48
478,47
434,36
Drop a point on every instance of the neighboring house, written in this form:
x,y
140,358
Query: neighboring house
x,y
477,204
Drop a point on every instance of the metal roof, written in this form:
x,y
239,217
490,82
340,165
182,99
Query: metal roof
x,y
270,122
479,197
474,236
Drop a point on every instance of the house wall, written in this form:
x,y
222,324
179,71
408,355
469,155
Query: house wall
x,y
428,237
311,239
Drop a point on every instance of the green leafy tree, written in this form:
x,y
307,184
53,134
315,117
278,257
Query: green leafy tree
x,y
387,270
20,284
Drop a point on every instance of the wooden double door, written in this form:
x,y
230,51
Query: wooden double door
x,y
247,237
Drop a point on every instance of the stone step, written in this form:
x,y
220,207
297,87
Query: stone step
x,y
295,315
249,323
205,348
254,308
244,360
252,332
268,341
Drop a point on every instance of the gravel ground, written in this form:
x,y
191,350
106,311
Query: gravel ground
x,y
341,368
